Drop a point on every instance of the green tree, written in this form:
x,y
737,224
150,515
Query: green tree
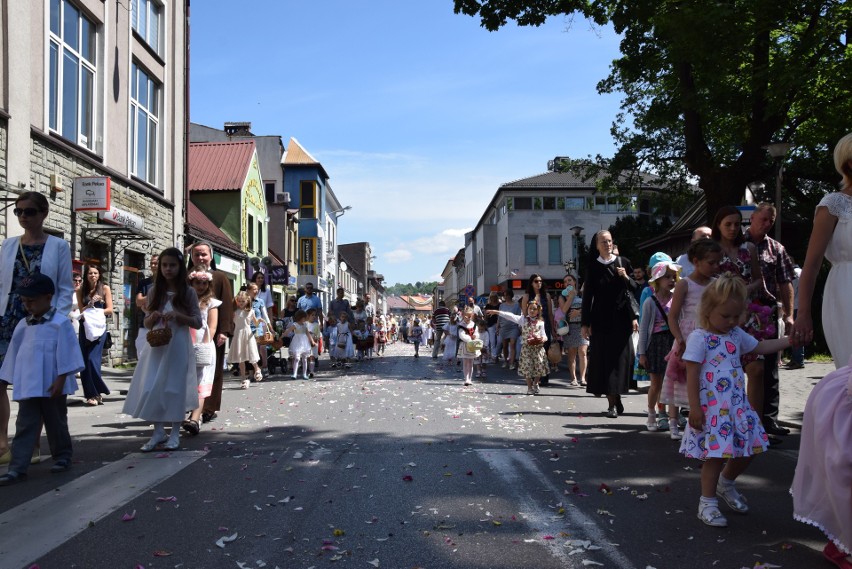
x,y
707,85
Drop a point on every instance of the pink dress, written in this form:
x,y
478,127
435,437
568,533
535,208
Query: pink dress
x,y
822,486
674,381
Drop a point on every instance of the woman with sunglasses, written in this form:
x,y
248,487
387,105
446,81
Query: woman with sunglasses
x,y
33,252
536,292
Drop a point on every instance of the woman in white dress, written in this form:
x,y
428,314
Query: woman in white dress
x,y
831,238
165,385
200,279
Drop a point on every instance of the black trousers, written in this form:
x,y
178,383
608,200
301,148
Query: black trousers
x,y
771,387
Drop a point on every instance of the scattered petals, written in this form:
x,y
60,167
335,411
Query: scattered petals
x,y
129,517
374,562
408,478
162,553
225,539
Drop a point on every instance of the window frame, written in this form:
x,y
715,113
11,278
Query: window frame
x,y
530,260
312,208
550,240
309,267
145,35
55,100
152,174
250,232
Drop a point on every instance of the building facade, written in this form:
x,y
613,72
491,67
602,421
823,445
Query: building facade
x,y
93,89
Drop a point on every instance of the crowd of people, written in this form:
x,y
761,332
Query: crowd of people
x,y
706,331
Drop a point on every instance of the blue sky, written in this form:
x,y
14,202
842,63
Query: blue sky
x,y
417,114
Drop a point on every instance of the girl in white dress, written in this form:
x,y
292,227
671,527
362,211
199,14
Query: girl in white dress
x,y
344,349
243,343
301,344
165,385
314,331
468,332
200,278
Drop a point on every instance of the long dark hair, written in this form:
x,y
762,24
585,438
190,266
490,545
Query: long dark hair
x,y
157,298
530,290
261,286
86,289
724,212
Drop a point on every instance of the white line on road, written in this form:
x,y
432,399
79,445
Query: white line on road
x,y
37,527
508,463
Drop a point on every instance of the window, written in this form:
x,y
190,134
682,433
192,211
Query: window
x,y
144,125
531,250
146,19
307,200
269,191
575,203
260,237
523,203
72,74
548,203
537,203
250,233
307,256
506,247
554,250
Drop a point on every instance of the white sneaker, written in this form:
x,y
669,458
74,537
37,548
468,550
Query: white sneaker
x,y
651,424
674,432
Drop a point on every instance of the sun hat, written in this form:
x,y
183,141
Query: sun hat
x,y
658,257
660,269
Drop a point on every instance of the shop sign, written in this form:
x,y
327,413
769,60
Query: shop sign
x,y
92,193
228,265
117,216
278,275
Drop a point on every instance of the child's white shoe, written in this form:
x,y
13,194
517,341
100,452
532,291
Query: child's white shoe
x,y
674,430
651,424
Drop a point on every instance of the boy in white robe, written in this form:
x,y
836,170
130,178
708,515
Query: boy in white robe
x,y
42,359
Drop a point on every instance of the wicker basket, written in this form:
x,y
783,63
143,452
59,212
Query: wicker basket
x,y
159,337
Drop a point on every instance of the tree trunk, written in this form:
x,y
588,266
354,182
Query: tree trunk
x,y
721,188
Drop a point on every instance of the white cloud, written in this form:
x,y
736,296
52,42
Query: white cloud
x,y
447,241
397,256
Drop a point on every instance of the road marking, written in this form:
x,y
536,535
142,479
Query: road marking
x,y
37,527
508,464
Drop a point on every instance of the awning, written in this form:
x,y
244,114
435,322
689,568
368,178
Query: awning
x,y
116,232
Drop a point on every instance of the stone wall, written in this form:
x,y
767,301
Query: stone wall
x,y
158,219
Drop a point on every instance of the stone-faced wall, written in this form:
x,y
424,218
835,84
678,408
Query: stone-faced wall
x,y
47,159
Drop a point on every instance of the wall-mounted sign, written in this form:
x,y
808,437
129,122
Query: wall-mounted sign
x,y
278,275
92,194
117,216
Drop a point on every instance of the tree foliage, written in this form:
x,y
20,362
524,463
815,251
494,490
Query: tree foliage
x,y
419,287
708,84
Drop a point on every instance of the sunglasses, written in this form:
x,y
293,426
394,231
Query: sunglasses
x,y
28,211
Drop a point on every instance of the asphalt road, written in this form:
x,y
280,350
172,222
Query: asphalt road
x,y
395,464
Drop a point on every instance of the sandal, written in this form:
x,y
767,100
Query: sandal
x,y
91,402
732,498
191,426
258,376
711,516
245,384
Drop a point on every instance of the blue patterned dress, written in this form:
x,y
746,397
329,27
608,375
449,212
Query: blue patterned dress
x,y
15,311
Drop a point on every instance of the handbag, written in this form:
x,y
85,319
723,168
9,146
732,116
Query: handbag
x,y
554,353
342,340
265,338
631,300
159,336
562,328
203,353
108,341
473,346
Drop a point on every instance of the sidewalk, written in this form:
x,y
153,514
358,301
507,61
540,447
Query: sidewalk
x,y
796,385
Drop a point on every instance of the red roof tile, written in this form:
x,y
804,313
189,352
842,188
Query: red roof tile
x,y
197,220
219,165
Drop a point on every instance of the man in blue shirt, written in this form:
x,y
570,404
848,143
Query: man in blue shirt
x,y
310,300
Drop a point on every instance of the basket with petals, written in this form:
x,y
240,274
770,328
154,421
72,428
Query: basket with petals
x,y
159,336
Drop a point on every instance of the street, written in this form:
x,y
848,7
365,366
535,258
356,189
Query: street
x,y
394,464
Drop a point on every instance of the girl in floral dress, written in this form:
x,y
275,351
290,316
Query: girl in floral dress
x,y
723,431
468,332
740,258
533,363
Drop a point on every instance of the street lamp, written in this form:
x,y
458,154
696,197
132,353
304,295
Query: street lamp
x,y
339,212
576,231
778,150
